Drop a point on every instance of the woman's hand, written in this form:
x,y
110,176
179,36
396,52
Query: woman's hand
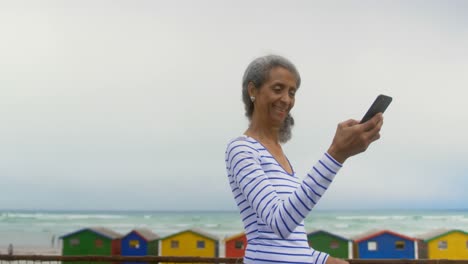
x,y
352,138
332,260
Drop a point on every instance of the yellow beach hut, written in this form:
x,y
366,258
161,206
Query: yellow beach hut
x,y
444,244
190,242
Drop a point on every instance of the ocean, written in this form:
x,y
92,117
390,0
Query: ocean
x,y
44,228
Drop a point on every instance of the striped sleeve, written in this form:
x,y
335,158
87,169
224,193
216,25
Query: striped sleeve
x,y
282,216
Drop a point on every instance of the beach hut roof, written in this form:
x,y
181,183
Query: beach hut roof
x,y
195,231
234,236
145,233
371,234
316,231
102,231
365,234
429,236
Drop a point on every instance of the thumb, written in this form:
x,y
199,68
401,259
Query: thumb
x,y
350,122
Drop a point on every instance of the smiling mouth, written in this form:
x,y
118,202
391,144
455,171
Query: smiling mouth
x,y
281,110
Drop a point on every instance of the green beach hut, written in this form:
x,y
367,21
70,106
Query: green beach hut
x,y
93,241
334,245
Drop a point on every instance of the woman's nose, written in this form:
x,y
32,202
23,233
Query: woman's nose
x,y
285,97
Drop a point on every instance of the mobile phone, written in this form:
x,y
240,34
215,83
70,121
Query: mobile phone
x,y
378,106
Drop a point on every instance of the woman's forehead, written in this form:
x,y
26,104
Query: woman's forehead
x,y
281,74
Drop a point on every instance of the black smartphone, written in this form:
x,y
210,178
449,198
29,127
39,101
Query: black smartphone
x,y
378,106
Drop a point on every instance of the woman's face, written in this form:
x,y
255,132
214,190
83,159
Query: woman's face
x,y
275,98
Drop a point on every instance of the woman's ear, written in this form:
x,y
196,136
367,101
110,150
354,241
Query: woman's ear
x,y
251,89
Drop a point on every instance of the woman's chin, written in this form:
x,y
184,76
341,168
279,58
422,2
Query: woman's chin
x,y
277,121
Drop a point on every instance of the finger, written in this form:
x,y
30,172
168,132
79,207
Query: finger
x,y
375,137
371,123
374,134
370,134
377,126
378,117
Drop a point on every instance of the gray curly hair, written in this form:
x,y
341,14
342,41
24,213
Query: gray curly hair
x,y
258,73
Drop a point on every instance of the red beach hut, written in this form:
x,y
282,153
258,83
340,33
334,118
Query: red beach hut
x,y
235,246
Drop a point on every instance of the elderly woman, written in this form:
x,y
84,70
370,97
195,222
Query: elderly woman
x,y
272,200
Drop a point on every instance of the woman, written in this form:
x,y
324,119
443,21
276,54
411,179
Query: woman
x,y
272,200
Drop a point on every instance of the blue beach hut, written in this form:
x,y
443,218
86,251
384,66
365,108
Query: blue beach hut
x,y
140,242
385,244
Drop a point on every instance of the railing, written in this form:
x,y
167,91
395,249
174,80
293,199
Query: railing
x,y
33,259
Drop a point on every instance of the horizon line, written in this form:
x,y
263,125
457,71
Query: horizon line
x,y
217,210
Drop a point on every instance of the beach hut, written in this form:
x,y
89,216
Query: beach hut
x,y
334,245
190,242
140,242
235,246
93,241
443,244
385,244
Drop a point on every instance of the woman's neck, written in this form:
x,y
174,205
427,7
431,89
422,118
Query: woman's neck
x,y
264,134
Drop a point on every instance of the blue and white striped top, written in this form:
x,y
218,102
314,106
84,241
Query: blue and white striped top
x,y
273,203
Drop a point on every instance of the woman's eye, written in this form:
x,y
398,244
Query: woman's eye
x,y
277,88
292,93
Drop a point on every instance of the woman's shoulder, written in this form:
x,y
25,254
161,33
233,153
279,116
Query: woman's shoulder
x,y
242,142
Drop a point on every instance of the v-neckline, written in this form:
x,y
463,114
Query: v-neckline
x,y
279,164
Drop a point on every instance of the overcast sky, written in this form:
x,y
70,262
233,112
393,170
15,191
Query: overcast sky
x,y
130,104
